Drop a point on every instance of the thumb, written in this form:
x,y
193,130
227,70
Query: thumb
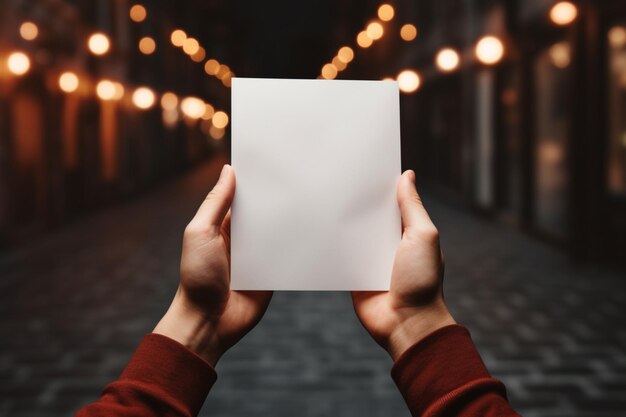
x,y
213,210
414,215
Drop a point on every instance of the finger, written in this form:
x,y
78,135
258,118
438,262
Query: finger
x,y
412,210
215,206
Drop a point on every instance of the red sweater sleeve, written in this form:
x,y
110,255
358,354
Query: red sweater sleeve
x,y
443,375
163,379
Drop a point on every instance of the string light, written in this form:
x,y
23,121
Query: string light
x,y
106,90
408,32
190,46
345,54
169,101
489,50
199,55
143,98
329,72
209,111
178,37
211,66
408,81
192,107
216,132
29,31
560,55
447,60
563,13
339,64
138,13
147,45
220,120
385,12
18,63
617,37
118,90
363,40
375,31
99,44
68,82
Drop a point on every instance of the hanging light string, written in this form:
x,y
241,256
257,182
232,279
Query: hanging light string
x,y
143,97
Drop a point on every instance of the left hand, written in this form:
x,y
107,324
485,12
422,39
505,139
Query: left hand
x,y
206,316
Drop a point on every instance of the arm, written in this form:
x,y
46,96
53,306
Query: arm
x,y
172,371
436,365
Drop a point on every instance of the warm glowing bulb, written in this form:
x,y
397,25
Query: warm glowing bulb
x,y
489,50
143,98
199,55
386,12
363,40
375,30
192,107
178,37
209,111
345,54
119,91
68,82
169,101
227,79
408,81
191,46
29,31
99,44
329,72
560,55
105,90
222,71
617,37
447,59
220,120
216,132
563,13
18,63
211,67
408,32
147,45
339,64
138,13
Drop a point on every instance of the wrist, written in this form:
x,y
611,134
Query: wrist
x,y
191,328
414,325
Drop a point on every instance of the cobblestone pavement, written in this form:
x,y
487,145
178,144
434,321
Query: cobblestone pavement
x,y
75,304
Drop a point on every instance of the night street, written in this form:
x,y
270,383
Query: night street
x,y
77,302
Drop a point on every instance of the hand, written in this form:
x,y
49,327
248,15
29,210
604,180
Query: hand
x,y
206,316
414,306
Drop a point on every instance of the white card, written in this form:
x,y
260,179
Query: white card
x,y
317,163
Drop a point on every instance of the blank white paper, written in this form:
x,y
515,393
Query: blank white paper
x,y
317,164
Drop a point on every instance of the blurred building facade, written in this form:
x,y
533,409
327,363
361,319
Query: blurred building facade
x,y
537,139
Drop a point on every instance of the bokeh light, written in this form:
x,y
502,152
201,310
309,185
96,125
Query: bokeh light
x,y
216,132
563,13
191,46
99,44
68,82
18,63
143,98
339,64
211,67
169,101
178,37
345,54
220,119
138,13
199,55
119,90
560,55
447,60
408,32
29,31
375,31
617,36
386,12
363,40
147,45
329,72
489,50
106,90
192,107
209,111
408,81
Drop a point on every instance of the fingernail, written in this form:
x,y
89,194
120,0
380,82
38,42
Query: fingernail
x,y
411,175
224,171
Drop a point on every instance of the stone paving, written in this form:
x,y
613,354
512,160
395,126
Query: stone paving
x,y
75,304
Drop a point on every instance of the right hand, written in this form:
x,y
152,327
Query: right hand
x,y
414,306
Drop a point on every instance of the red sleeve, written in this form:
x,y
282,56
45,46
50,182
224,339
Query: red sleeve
x,y
443,375
163,378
